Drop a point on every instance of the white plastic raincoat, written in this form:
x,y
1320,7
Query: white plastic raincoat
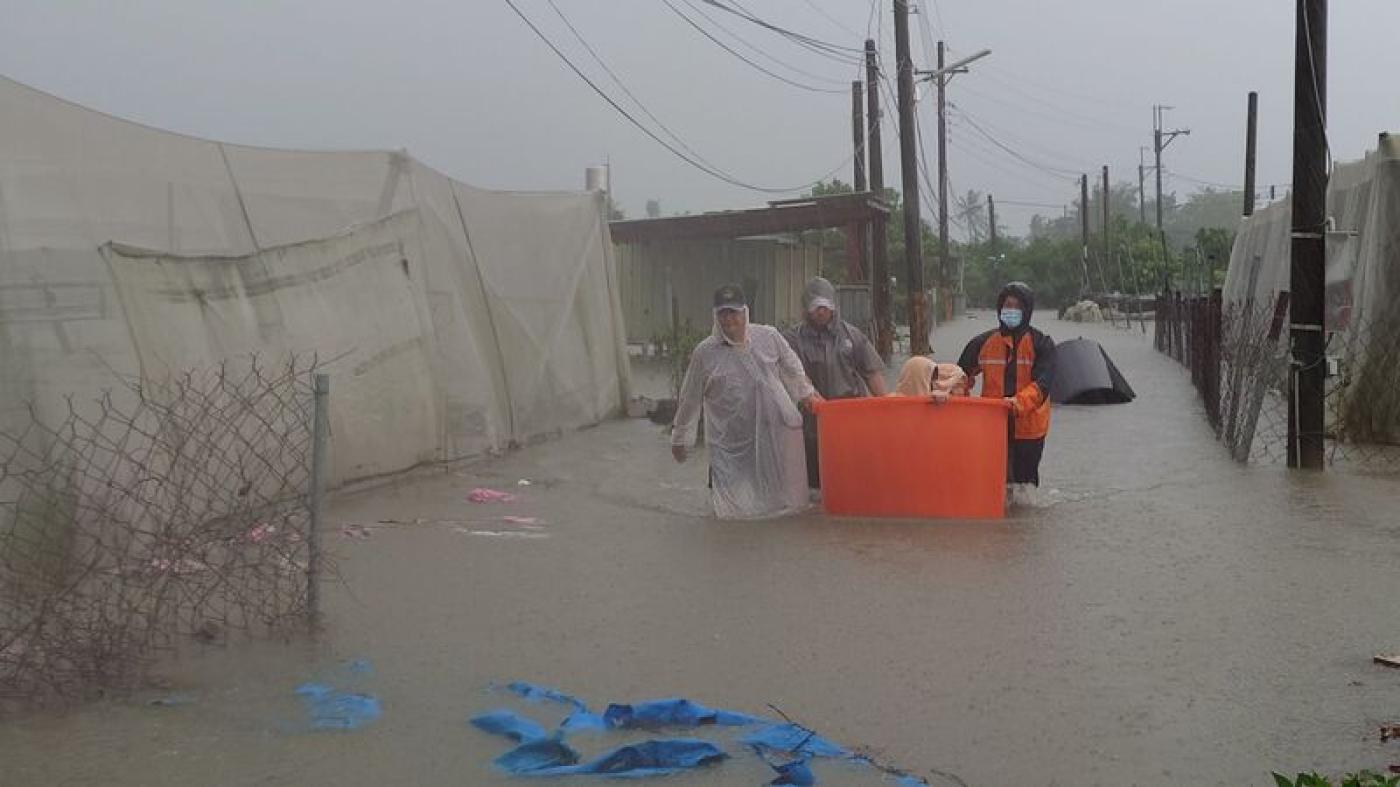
x,y
752,426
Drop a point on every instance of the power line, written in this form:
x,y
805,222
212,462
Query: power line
x,y
731,51
1041,152
624,87
815,44
1015,82
812,4
709,170
1067,174
760,50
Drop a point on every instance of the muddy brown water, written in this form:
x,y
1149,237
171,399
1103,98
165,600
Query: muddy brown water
x,y
1162,616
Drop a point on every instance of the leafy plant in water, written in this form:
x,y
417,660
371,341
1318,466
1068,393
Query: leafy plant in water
x,y
681,343
1360,779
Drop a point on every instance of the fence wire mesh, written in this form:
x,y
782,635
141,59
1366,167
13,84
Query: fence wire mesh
x,y
155,513
1241,363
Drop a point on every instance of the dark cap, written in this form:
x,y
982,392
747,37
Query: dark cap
x,y
730,296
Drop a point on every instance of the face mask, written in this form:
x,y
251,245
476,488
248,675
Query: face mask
x,y
1011,318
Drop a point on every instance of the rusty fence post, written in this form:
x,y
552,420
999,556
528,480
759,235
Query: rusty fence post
x,y
320,433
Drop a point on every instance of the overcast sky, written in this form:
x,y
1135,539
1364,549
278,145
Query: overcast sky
x,y
466,86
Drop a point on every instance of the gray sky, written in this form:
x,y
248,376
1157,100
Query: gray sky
x,y
469,89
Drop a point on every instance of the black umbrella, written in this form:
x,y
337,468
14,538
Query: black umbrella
x,y
1084,374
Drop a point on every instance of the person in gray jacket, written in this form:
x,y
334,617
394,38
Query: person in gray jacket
x,y
839,359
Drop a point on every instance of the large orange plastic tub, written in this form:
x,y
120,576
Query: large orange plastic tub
x,y
907,457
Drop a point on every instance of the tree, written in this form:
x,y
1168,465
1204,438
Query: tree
x,y
972,209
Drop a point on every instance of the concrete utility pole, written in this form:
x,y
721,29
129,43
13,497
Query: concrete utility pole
x,y
879,242
856,243
1084,222
1307,271
908,154
1250,148
1107,255
1160,140
992,222
1142,193
943,245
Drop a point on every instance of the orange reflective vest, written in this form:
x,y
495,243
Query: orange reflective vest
x,y
1030,376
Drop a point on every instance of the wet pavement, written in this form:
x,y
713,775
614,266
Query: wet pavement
x,y
1162,615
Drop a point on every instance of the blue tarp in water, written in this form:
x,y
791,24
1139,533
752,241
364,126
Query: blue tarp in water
x,y
796,773
672,713
331,709
537,757
534,693
794,739
511,725
542,754
649,758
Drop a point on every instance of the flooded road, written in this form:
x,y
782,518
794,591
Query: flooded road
x,y
1165,616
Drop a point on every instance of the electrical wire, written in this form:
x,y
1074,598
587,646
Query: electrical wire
x,y
838,23
735,53
709,170
624,87
815,44
1068,174
757,49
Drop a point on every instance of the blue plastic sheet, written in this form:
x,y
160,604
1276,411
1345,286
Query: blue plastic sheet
x,y
330,709
794,739
537,758
796,773
542,754
582,720
533,693
672,713
645,759
510,724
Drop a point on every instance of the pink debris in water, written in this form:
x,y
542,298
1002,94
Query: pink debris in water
x,y
359,532
181,567
261,532
484,495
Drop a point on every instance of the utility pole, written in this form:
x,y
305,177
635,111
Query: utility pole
x,y
1142,193
1250,149
908,154
1307,277
943,247
858,132
856,233
1084,221
1160,140
879,241
992,222
1107,255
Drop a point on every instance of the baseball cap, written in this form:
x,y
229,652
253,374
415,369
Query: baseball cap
x,y
730,296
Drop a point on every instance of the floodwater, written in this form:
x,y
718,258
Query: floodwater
x,y
1162,616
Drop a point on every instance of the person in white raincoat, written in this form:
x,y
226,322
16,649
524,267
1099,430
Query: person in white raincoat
x,y
749,383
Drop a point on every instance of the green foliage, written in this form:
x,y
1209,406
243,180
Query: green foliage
x,y
1051,259
680,343
1361,779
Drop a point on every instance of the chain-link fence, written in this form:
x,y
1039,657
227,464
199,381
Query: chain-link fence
x,y
155,513
1241,363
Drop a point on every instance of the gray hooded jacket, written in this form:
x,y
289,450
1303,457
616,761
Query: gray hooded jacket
x,y
837,357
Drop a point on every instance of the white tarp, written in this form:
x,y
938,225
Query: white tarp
x,y
457,320
1362,282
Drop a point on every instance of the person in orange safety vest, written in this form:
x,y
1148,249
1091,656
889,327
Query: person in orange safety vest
x,y
1017,363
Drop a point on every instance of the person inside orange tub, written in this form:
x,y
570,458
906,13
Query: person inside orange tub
x,y
921,376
